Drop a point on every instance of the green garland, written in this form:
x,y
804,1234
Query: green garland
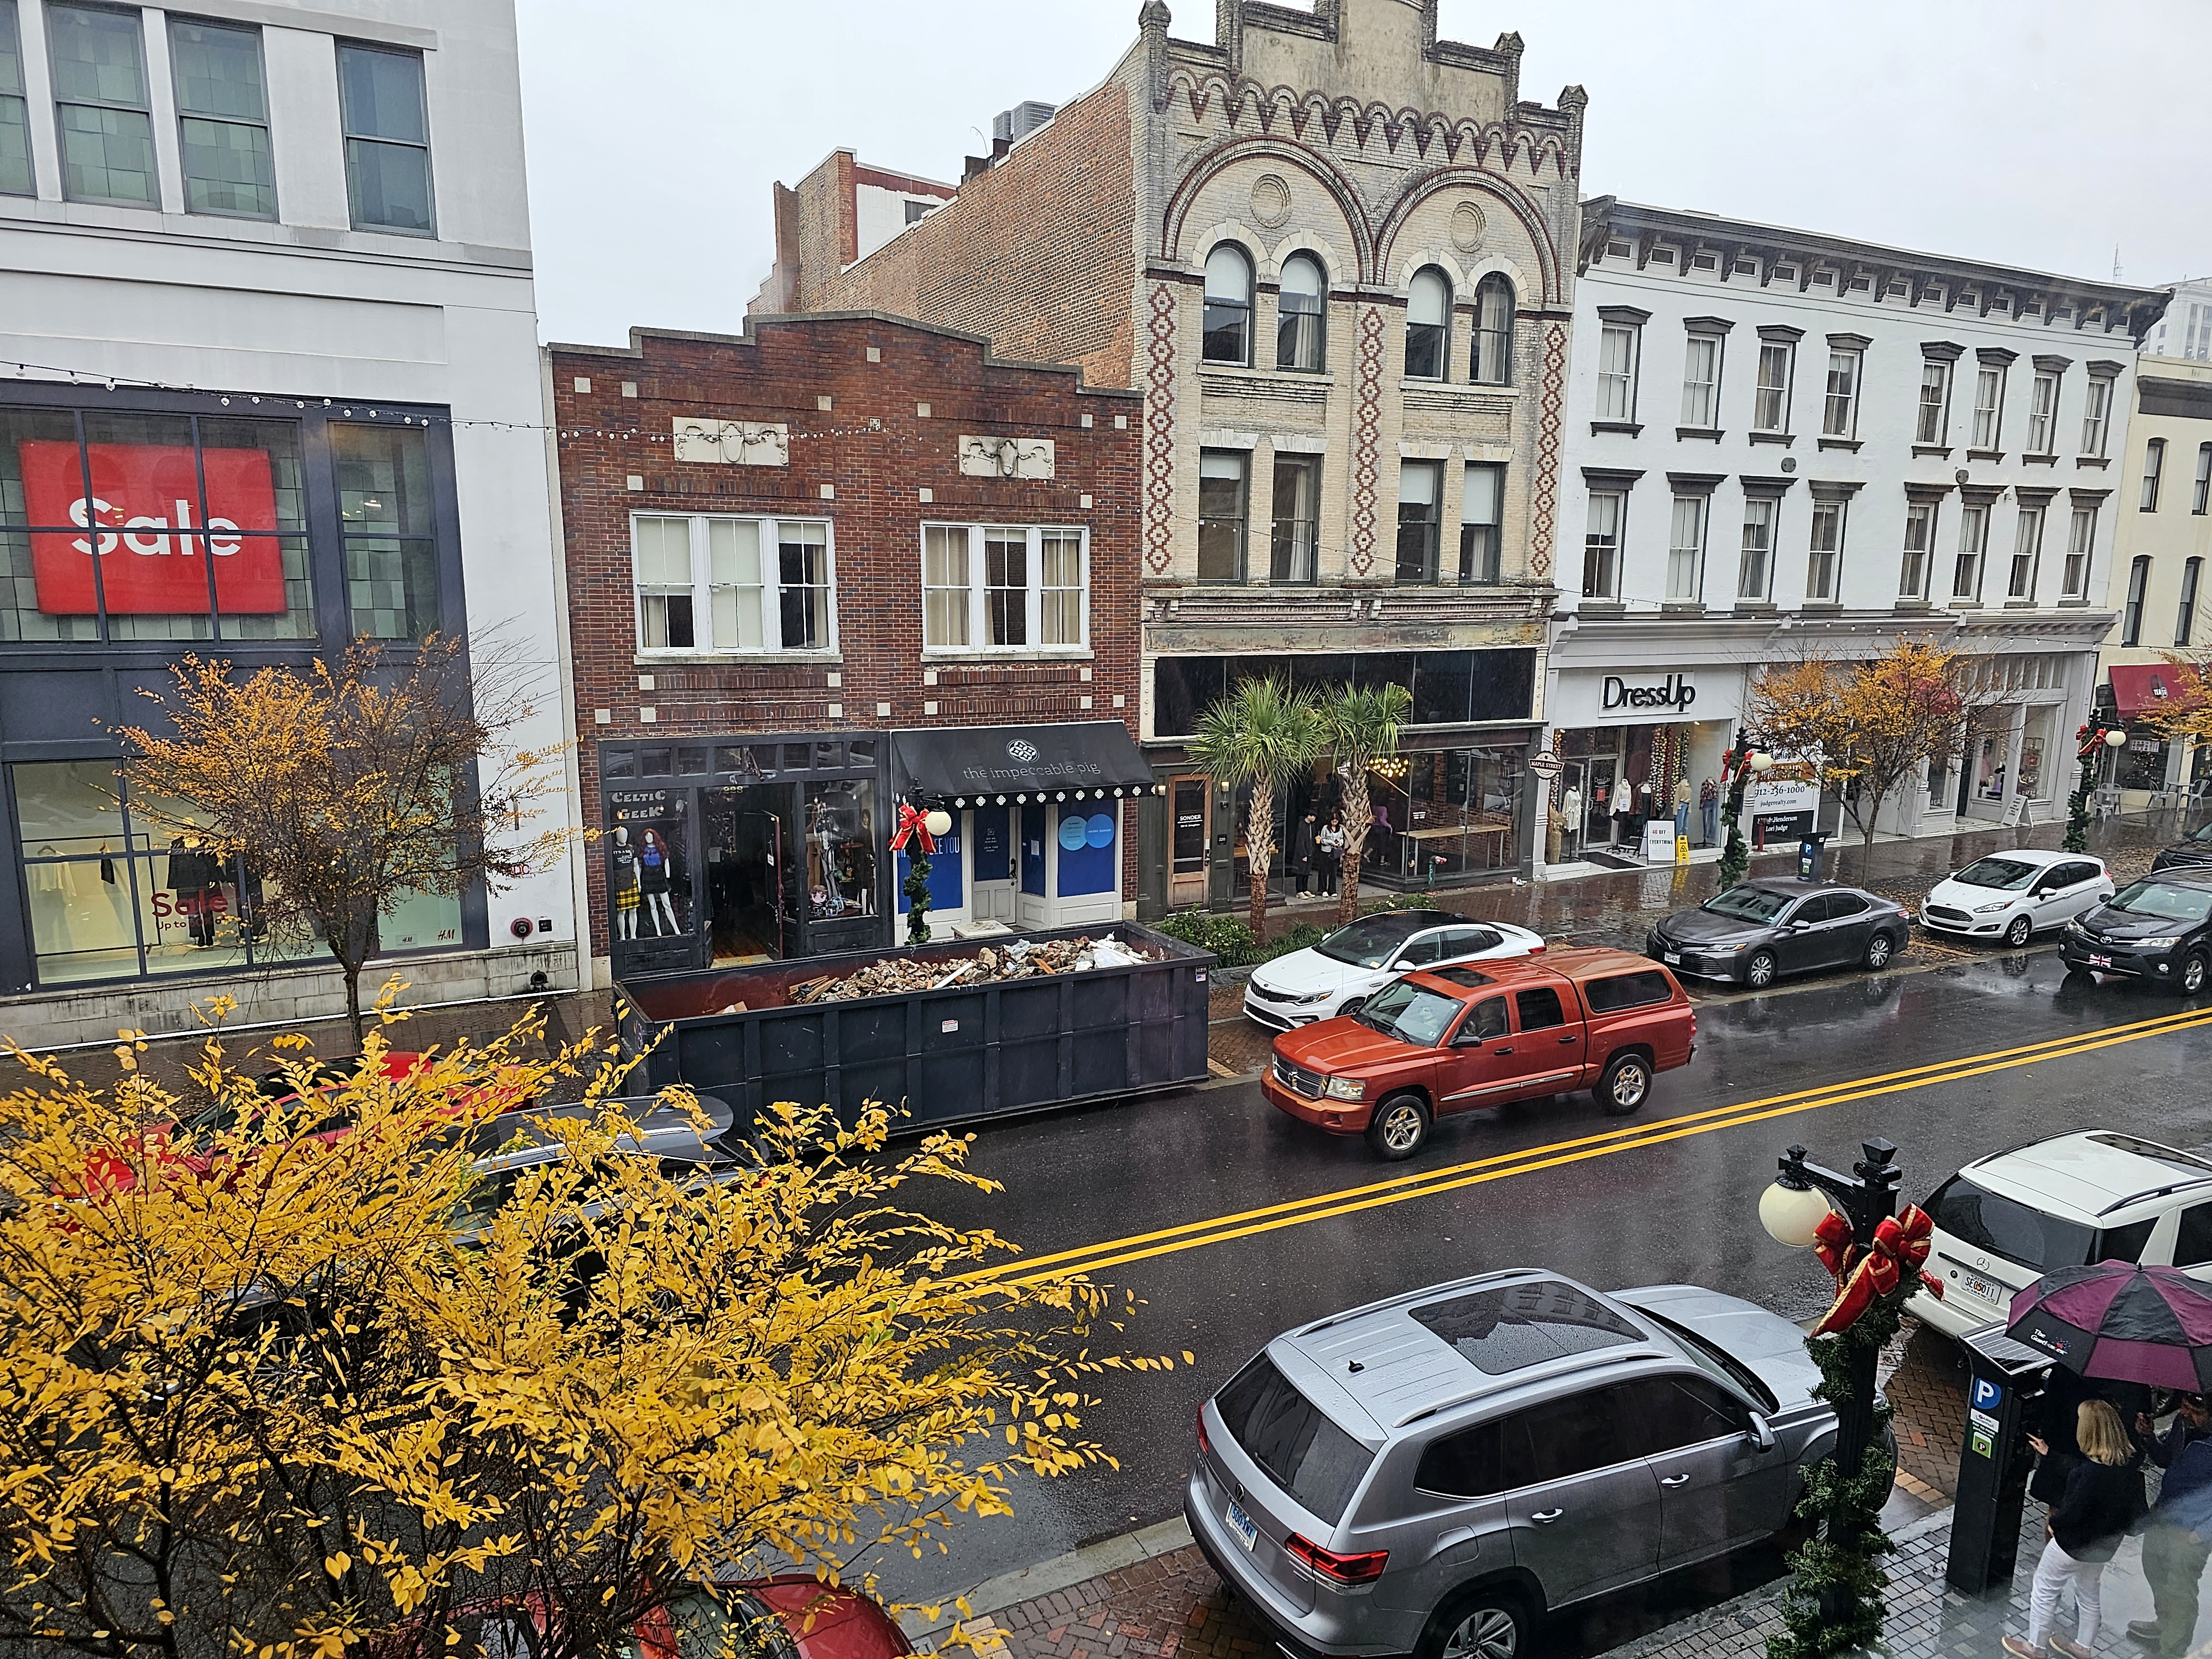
x,y
916,888
1735,856
2077,804
1844,1559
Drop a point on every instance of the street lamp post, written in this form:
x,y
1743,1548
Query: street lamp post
x,y
1791,1211
1740,765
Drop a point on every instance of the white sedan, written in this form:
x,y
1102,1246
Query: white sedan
x,y
1341,973
2011,896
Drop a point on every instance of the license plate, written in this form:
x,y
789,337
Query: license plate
x,y
1246,1528
1996,1294
2100,961
1672,959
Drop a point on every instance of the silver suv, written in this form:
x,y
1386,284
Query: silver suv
x,y
1434,1473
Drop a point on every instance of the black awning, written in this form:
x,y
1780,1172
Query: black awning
x,y
963,763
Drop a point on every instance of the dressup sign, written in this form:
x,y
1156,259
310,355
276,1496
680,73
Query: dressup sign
x,y
142,516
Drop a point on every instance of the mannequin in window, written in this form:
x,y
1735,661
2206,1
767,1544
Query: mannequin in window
x,y
196,878
621,884
656,874
1623,810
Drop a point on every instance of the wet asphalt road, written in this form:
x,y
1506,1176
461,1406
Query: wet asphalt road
x,y
1621,1213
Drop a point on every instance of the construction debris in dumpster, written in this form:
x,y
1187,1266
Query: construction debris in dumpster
x,y
1023,959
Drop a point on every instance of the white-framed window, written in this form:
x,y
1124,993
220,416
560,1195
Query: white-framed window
x,y
1686,549
1608,510
1701,380
2199,502
1935,401
1491,363
2043,414
1989,406
1225,480
1225,327
2184,621
1973,544
1840,408
1616,372
1428,324
2081,542
1823,565
1420,519
712,584
989,587
2131,616
2153,474
1301,314
1755,570
1482,494
1769,408
2026,553
1919,542
2096,416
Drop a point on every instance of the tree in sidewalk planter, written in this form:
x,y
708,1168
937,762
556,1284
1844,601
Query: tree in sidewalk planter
x,y
1874,725
347,789
1360,724
268,1395
1258,738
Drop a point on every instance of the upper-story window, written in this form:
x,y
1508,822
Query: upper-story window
x,y
1824,562
1770,404
1685,549
2080,541
1701,380
1293,552
1989,405
1420,519
2203,497
1224,478
101,106
1003,587
1839,412
2154,472
1935,412
711,583
1608,510
1227,320
1492,361
1480,555
15,113
2184,621
1973,545
2131,616
2043,413
1428,324
1616,371
1301,315
1754,574
387,138
222,119
2026,553
2096,416
1919,542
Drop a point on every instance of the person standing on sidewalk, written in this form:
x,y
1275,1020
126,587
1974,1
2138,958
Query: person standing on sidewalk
x,y
1300,866
2178,1540
2103,1499
1328,852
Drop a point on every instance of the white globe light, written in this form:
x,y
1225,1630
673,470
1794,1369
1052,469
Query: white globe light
x,y
940,821
1792,1216
1761,761
2116,739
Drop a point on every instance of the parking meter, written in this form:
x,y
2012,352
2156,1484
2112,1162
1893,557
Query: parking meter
x,y
2005,1377
1811,852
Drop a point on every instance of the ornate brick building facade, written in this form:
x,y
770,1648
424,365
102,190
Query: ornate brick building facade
x,y
1335,255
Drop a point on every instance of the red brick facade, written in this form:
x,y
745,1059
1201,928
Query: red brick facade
x,y
854,429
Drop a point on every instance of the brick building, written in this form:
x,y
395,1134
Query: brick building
x,y
1335,255
838,563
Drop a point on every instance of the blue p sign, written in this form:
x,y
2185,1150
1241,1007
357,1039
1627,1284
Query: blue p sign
x,y
1986,1395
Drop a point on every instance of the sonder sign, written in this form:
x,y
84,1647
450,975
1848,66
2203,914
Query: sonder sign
x,y
1674,692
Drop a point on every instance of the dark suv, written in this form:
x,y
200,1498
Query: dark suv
x,y
2192,853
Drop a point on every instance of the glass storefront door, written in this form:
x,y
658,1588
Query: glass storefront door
x,y
749,914
1190,840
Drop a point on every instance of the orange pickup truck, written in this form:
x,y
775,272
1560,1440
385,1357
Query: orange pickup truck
x,y
1453,1039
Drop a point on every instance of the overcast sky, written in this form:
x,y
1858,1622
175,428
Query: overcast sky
x,y
2035,133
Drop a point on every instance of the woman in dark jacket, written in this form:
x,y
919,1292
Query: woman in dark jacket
x,y
2103,1496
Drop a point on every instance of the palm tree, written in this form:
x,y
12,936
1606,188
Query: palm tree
x,y
1361,726
1259,735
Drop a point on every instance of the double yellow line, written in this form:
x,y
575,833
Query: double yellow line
x,y
1220,1229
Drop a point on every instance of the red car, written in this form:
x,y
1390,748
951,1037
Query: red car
x,y
1453,1039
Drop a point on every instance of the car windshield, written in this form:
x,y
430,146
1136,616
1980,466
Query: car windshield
x,y
2003,875
1406,1011
1986,1220
1371,941
2202,832
1746,904
2164,900
1710,1357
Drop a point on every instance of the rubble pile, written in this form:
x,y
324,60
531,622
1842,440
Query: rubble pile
x,y
1023,959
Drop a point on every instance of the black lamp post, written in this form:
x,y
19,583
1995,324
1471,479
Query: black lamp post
x,y
1790,1210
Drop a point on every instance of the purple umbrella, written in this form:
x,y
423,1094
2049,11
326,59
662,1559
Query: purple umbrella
x,y
2117,1320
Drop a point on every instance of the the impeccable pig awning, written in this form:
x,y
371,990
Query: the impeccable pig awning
x,y
971,762
2140,689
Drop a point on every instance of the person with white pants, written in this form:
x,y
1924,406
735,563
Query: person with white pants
x,y
2104,1498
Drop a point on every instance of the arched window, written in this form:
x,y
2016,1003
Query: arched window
x,y
1299,331
1492,364
1428,324
1228,306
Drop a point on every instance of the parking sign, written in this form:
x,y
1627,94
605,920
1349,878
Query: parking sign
x,y
1985,1395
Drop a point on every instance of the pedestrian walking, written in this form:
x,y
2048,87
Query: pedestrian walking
x,y
1328,850
2102,1500
2178,1542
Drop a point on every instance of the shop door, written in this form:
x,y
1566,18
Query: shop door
x,y
992,862
1597,802
1190,838
747,918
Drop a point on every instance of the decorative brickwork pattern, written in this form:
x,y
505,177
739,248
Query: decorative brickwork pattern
x,y
1544,507
1159,431
1366,440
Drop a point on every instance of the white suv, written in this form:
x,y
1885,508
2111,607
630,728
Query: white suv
x,y
2092,1196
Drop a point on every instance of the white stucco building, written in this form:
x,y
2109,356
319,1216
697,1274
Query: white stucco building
x,y
1782,444
264,268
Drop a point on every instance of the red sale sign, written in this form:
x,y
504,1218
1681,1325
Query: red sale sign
x,y
141,520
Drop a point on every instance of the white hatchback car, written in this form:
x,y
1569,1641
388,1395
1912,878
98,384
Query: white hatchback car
x,y
2013,896
1358,959
2095,1195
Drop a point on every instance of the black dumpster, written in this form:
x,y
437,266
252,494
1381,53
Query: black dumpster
x,y
953,1055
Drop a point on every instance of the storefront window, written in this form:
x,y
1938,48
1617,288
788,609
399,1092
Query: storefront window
x,y
648,877
840,850
386,510
1458,814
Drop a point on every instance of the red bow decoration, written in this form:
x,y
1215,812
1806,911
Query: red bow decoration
x,y
917,825
2090,744
1860,1276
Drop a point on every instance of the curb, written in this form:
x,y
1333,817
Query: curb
x,y
1011,1590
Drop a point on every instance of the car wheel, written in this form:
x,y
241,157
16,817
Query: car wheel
x,y
2193,974
1400,1127
1879,949
2016,933
1627,1082
1758,972
1487,1625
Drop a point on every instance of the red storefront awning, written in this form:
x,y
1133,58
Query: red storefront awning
x,y
2142,687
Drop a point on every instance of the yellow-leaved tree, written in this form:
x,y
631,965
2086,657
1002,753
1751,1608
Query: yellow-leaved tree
x,y
1873,726
292,1378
